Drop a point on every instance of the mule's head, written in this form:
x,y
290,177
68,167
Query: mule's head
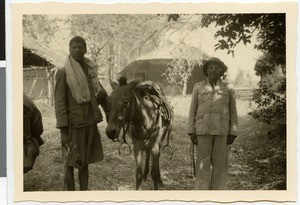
x,y
119,103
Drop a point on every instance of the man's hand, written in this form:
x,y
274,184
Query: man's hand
x,y
230,139
64,135
193,137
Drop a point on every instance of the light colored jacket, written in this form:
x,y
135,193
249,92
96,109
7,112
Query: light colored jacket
x,y
213,111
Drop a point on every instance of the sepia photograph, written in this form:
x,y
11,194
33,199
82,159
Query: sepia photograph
x,y
154,101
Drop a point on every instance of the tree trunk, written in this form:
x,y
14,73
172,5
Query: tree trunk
x,y
49,83
119,60
184,88
140,50
112,63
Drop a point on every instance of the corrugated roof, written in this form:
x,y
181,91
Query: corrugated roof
x,y
56,58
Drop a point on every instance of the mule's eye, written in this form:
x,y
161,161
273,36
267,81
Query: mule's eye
x,y
125,102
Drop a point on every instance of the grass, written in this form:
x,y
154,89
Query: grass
x,y
259,162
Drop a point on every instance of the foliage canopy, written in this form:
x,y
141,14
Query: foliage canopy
x,y
235,28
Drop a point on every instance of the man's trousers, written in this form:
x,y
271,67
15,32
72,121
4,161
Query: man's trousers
x,y
211,163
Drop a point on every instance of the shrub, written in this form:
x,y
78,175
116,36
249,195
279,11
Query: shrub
x,y
270,98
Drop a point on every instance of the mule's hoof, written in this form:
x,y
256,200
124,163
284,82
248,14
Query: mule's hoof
x,y
160,184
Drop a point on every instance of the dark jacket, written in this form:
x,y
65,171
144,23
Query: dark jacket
x,y
69,112
32,121
32,131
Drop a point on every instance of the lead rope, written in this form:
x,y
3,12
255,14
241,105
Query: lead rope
x,y
167,145
192,155
124,141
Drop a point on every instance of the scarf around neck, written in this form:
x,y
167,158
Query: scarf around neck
x,y
78,81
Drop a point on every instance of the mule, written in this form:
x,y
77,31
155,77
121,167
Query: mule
x,y
141,109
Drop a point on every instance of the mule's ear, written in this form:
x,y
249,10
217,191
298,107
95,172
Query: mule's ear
x,y
122,80
113,84
141,79
134,83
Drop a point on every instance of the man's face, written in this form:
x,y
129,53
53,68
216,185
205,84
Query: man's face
x,y
77,50
214,71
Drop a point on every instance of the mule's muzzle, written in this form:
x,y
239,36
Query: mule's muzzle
x,y
112,134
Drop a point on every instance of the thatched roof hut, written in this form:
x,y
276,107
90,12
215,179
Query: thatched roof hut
x,y
39,64
37,53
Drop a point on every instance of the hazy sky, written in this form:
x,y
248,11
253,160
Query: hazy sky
x,y
244,56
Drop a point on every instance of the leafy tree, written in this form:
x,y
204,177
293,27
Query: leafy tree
x,y
40,27
181,67
240,78
270,97
235,28
119,37
249,79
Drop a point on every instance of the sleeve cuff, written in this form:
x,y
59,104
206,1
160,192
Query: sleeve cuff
x,y
191,131
234,130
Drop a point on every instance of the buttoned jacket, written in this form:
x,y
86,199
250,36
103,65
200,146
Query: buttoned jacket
x,y
213,110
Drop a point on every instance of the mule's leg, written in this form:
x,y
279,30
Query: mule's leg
x,y
155,164
146,171
159,181
138,153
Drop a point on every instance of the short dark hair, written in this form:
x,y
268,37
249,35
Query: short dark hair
x,y
77,39
214,60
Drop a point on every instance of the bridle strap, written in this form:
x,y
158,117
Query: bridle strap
x,y
124,141
126,123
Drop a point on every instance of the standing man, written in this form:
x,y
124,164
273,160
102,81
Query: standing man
x,y
78,94
212,125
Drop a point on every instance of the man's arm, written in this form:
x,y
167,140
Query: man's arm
x,y
193,111
103,101
60,96
233,129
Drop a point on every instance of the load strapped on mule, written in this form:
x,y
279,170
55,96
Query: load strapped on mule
x,y
143,112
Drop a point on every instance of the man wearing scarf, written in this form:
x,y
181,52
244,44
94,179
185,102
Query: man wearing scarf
x,y
78,94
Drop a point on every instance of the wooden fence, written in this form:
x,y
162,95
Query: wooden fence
x,y
244,93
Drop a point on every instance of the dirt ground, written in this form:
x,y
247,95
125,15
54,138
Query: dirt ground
x,y
246,172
